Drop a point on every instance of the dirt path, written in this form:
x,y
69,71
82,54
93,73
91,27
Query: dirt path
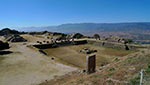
x,y
28,67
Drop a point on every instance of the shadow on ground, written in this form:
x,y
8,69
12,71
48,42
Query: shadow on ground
x,y
5,52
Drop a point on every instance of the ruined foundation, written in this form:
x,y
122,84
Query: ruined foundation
x,y
115,45
45,46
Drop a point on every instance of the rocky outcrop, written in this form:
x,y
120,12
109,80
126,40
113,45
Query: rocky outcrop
x,y
7,31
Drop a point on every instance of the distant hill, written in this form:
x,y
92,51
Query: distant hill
x,y
83,27
134,30
104,27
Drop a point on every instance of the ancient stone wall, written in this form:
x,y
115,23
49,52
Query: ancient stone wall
x,y
97,43
115,45
80,42
45,46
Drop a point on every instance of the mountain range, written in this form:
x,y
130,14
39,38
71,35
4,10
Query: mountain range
x,y
134,30
82,27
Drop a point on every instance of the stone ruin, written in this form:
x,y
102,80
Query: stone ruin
x,y
87,51
14,38
64,38
43,42
90,63
37,41
46,42
116,39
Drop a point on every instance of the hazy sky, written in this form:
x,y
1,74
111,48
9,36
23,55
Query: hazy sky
x,y
23,13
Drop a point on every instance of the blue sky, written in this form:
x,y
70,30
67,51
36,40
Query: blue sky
x,y
24,13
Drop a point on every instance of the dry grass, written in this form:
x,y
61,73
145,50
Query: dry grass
x,y
116,52
71,54
116,73
1,58
34,38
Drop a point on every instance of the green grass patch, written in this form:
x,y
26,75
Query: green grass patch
x,y
111,69
110,74
135,80
109,81
117,59
148,69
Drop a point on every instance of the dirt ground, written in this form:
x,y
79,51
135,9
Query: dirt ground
x,y
26,66
72,56
34,38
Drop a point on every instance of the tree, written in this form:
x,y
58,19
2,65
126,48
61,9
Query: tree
x,y
96,36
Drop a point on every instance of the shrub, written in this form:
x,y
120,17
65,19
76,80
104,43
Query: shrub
x,y
148,69
111,69
135,81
